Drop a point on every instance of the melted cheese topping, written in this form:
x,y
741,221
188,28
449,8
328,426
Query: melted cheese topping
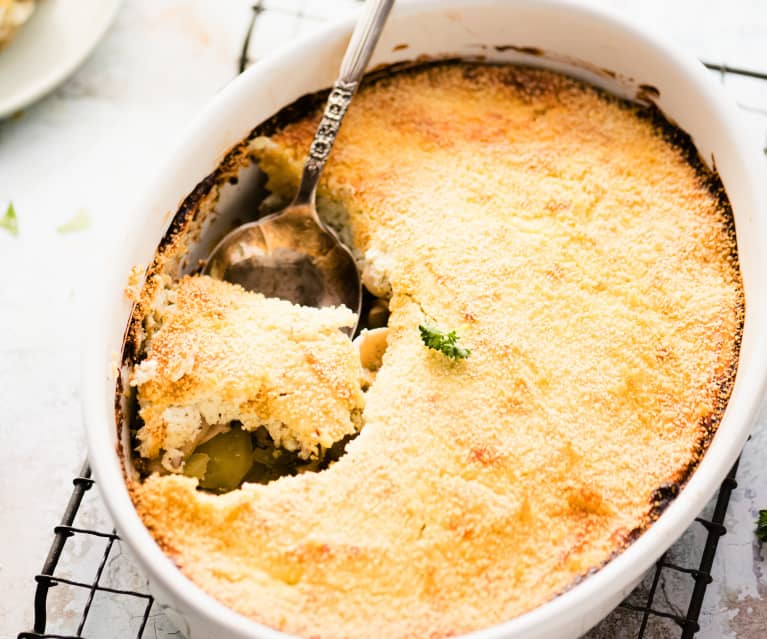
x,y
222,354
592,273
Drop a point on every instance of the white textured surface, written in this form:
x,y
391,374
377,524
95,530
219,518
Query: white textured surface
x,y
97,140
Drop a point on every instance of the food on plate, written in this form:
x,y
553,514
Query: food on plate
x,y
13,14
586,258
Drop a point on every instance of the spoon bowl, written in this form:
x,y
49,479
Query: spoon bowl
x,y
291,255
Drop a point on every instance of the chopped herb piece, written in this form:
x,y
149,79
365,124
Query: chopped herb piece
x,y
9,221
79,222
761,526
445,343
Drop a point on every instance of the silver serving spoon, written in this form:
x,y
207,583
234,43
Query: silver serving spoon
x,y
292,254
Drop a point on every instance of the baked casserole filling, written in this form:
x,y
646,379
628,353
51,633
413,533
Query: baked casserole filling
x,y
585,256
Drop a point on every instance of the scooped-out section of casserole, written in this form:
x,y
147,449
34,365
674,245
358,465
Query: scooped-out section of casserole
x,y
582,252
219,355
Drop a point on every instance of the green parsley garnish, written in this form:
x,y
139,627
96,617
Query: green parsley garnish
x,y
79,222
445,343
9,221
761,526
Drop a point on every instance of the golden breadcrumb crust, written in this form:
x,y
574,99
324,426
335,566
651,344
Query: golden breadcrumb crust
x,y
221,353
592,272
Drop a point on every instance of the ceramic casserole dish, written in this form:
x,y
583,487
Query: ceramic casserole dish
x,y
584,42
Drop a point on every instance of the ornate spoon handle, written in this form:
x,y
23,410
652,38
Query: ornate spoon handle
x,y
361,46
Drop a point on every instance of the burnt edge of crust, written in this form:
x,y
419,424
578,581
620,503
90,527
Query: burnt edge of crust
x,y
536,51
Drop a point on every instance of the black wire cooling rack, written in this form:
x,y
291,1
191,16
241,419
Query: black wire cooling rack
x,y
638,612
647,612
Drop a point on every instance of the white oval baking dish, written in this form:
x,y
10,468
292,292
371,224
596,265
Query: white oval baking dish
x,y
586,42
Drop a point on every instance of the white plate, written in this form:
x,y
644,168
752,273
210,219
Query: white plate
x,y
57,38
